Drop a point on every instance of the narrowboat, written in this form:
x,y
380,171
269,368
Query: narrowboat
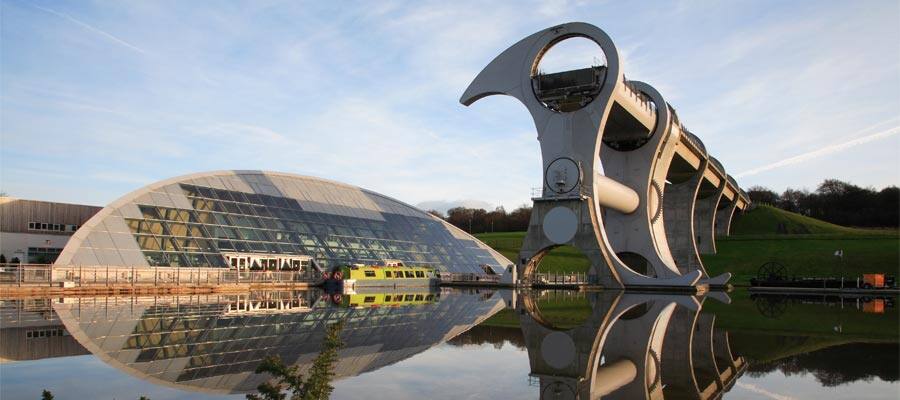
x,y
391,275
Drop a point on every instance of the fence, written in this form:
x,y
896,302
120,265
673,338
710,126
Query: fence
x,y
107,275
576,278
449,277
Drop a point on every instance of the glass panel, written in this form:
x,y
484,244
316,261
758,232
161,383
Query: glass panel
x,y
133,224
148,243
167,244
204,217
216,260
177,229
149,212
156,259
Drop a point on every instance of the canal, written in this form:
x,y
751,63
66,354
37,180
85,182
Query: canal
x,y
455,343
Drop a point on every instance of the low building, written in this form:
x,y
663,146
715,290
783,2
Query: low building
x,y
35,232
272,221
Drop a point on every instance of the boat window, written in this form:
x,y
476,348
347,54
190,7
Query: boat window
x,y
409,274
419,297
387,274
370,274
429,297
369,299
387,298
420,274
409,297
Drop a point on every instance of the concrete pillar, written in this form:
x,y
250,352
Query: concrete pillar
x,y
704,219
555,223
678,212
724,217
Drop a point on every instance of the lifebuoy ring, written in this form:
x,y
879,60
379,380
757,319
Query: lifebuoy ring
x,y
338,276
336,298
326,275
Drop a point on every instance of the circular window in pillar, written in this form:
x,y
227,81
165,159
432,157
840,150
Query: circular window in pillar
x,y
562,175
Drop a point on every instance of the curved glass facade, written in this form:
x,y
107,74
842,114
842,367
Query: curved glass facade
x,y
270,221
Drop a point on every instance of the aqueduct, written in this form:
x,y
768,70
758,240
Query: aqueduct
x,y
624,181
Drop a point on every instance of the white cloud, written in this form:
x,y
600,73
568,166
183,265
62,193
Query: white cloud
x,y
834,148
93,29
368,95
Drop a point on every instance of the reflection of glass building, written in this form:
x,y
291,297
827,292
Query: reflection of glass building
x,y
213,343
272,221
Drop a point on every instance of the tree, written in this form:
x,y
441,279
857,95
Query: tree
x,y
316,387
759,194
792,200
838,202
437,213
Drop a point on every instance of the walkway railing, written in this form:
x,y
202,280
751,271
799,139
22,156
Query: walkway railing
x,y
108,275
448,277
575,278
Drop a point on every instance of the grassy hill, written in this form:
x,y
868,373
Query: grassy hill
x,y
768,220
804,245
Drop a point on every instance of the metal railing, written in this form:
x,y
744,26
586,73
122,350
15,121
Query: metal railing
x,y
575,278
109,275
449,277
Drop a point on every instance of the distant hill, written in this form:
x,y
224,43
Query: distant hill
x,y
768,220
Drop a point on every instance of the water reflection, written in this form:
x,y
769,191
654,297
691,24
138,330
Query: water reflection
x,y
610,345
213,343
631,346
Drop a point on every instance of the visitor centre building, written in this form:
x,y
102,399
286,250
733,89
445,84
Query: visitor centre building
x,y
270,221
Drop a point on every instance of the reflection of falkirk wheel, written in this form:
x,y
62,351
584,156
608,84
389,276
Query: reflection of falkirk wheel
x,y
615,353
698,363
632,346
612,210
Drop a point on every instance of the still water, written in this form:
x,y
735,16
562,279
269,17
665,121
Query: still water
x,y
456,343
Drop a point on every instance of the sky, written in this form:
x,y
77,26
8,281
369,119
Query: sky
x,y
99,98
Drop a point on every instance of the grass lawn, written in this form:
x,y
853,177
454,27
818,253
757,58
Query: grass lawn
x,y
805,257
804,245
755,239
560,259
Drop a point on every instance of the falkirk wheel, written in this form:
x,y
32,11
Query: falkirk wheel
x,y
611,150
631,346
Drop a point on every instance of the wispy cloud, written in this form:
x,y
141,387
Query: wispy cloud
x,y
831,149
92,28
763,392
368,95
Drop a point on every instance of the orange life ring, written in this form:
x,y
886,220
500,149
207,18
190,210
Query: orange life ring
x,y
326,275
336,298
338,275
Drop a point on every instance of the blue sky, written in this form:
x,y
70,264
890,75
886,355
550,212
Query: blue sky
x,y
100,98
